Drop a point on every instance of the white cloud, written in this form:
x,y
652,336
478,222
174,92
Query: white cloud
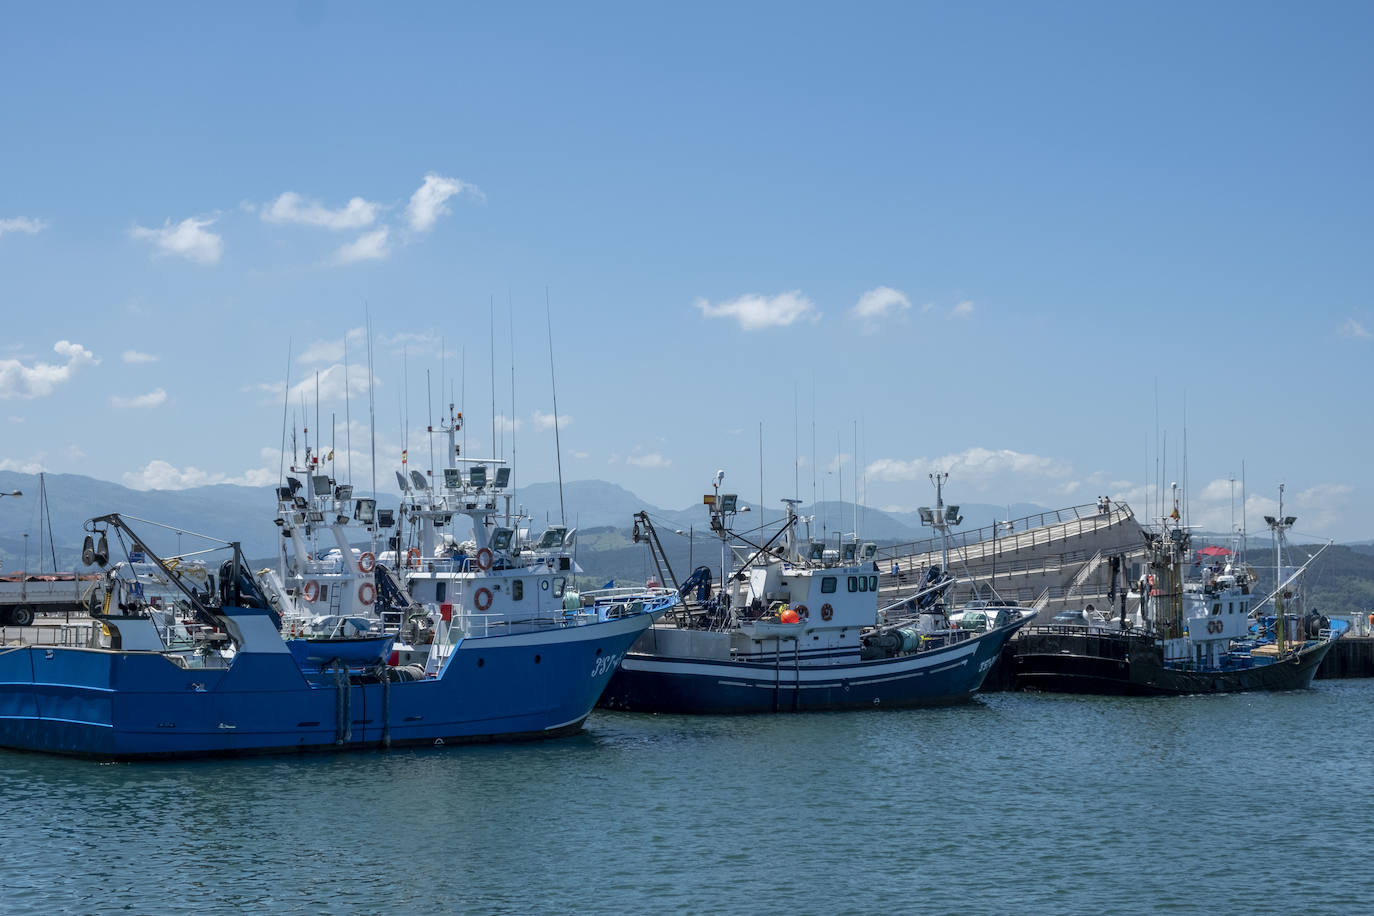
x,y
651,460
544,421
1353,328
581,456
290,207
427,203
133,356
880,303
154,398
187,239
505,425
329,351
41,379
32,466
160,475
331,380
973,464
755,312
369,246
22,224
962,310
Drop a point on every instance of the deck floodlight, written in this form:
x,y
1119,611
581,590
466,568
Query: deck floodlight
x,y
502,478
1269,520
477,476
315,515
344,492
453,478
321,485
729,502
1290,519
952,515
386,518
927,516
419,480
365,510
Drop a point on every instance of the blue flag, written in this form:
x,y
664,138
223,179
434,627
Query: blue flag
x,y
610,584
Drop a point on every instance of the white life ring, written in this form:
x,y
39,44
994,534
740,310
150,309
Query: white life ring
x,y
482,600
311,590
366,562
484,559
367,593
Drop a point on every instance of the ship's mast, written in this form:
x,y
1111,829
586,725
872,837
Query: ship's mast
x,y
1279,525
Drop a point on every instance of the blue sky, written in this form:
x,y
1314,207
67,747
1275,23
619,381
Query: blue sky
x,y
979,236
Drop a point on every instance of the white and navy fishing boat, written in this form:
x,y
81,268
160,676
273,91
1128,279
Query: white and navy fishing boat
x,y
796,630
497,580
1199,633
233,685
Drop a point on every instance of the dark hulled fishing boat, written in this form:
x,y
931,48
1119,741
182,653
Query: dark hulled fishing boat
x,y
1200,635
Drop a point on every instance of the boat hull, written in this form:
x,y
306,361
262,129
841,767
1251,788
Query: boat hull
x,y
669,684
1133,665
135,705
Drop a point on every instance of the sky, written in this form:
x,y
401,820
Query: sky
x,y
826,248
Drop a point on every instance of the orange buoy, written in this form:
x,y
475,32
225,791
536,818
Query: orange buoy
x,y
789,616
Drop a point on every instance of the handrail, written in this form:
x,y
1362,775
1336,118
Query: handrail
x,y
1077,523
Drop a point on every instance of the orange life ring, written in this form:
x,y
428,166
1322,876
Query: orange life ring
x,y
482,600
484,559
311,590
827,612
1371,620
367,593
802,612
366,562
413,558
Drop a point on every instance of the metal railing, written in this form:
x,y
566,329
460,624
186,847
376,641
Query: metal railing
x,y
1026,532
69,635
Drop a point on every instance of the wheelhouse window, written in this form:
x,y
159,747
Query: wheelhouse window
x,y
440,591
853,583
559,584
517,590
863,583
872,583
827,585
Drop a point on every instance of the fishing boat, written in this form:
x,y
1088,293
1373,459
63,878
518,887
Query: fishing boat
x,y
235,687
326,585
797,626
498,580
1199,633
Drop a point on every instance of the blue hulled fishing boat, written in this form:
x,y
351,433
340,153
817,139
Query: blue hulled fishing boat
x,y
225,682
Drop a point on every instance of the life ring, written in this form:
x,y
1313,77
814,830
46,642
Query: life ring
x,y
413,558
366,562
482,600
367,593
311,590
827,612
1371,620
802,612
1154,592
484,559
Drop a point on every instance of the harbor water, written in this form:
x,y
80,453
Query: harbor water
x,y
1013,803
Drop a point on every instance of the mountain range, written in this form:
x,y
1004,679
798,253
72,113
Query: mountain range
x,y
229,512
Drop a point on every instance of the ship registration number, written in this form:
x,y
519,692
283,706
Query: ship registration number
x,y
606,664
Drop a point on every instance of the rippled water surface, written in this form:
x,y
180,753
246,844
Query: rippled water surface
x,y
1015,803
